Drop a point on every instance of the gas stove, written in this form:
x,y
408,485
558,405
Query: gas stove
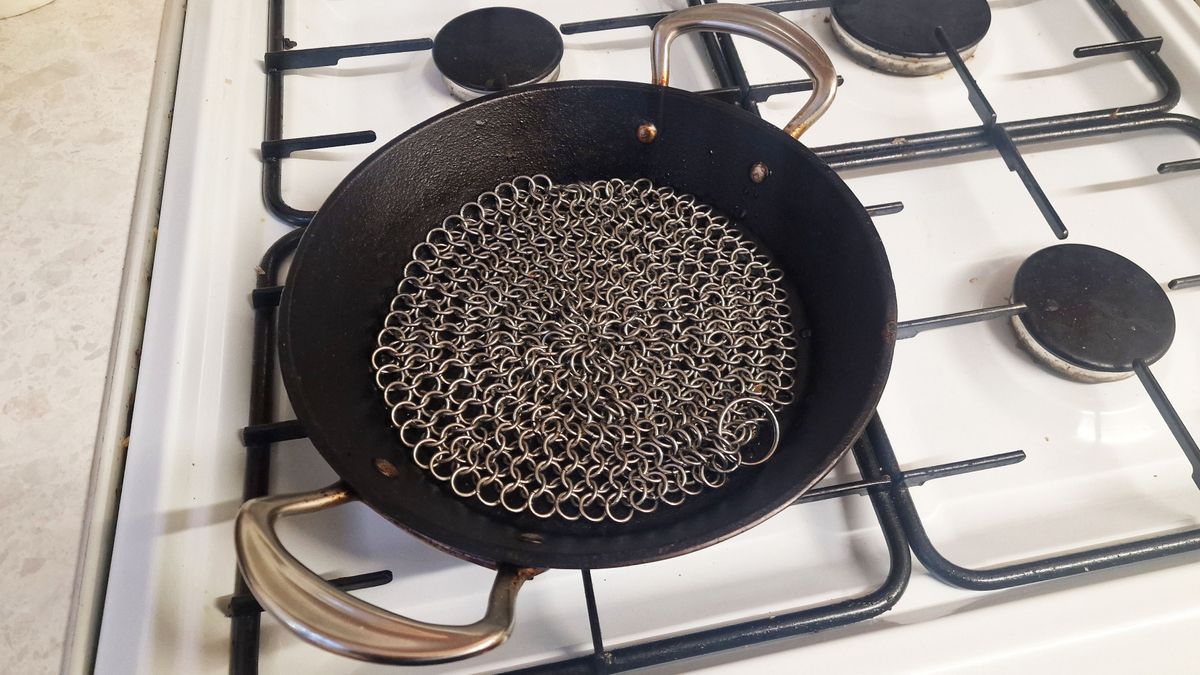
x,y
997,514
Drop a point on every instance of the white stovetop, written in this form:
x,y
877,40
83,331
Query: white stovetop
x,y
1101,464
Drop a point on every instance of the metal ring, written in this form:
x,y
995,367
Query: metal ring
x,y
770,415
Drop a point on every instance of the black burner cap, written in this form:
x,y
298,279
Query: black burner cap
x,y
495,48
1094,308
905,27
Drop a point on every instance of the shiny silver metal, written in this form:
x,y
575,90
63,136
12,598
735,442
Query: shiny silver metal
x,y
759,24
465,93
339,622
770,414
586,351
1059,365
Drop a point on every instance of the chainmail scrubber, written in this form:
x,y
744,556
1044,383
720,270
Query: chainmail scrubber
x,y
591,350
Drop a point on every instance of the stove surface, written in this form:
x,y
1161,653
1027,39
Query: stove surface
x,y
1100,465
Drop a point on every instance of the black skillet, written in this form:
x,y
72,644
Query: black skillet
x,y
348,261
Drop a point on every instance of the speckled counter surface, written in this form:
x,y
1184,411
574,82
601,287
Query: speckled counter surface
x,y
75,79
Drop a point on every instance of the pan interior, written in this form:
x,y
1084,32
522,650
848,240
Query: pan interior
x,y
345,271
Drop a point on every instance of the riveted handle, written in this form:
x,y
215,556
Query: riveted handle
x,y
339,622
758,24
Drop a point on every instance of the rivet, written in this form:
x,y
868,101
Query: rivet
x,y
759,172
647,132
386,468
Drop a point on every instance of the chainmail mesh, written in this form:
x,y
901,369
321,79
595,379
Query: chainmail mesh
x,y
591,350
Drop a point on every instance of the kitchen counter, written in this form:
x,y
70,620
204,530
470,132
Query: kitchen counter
x,y
75,82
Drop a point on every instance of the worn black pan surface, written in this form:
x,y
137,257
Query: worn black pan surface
x,y
351,257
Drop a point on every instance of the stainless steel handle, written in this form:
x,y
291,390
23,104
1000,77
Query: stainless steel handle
x,y
339,622
758,24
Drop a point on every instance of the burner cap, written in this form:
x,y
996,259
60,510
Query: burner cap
x,y
897,35
491,49
1092,313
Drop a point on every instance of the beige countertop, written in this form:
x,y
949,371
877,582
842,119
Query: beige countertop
x,y
75,79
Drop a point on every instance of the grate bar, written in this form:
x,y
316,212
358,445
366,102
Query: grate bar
x,y
266,298
918,477
1149,45
1000,137
1012,157
293,59
954,142
795,5
614,23
762,92
1178,429
283,148
885,209
244,629
1021,573
273,432
983,107
1179,166
600,666
648,20
725,42
726,65
1184,282
858,487
913,327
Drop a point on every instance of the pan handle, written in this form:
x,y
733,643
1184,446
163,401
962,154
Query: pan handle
x,y
339,622
758,24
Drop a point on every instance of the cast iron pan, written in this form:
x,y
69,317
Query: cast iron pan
x,y
349,260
